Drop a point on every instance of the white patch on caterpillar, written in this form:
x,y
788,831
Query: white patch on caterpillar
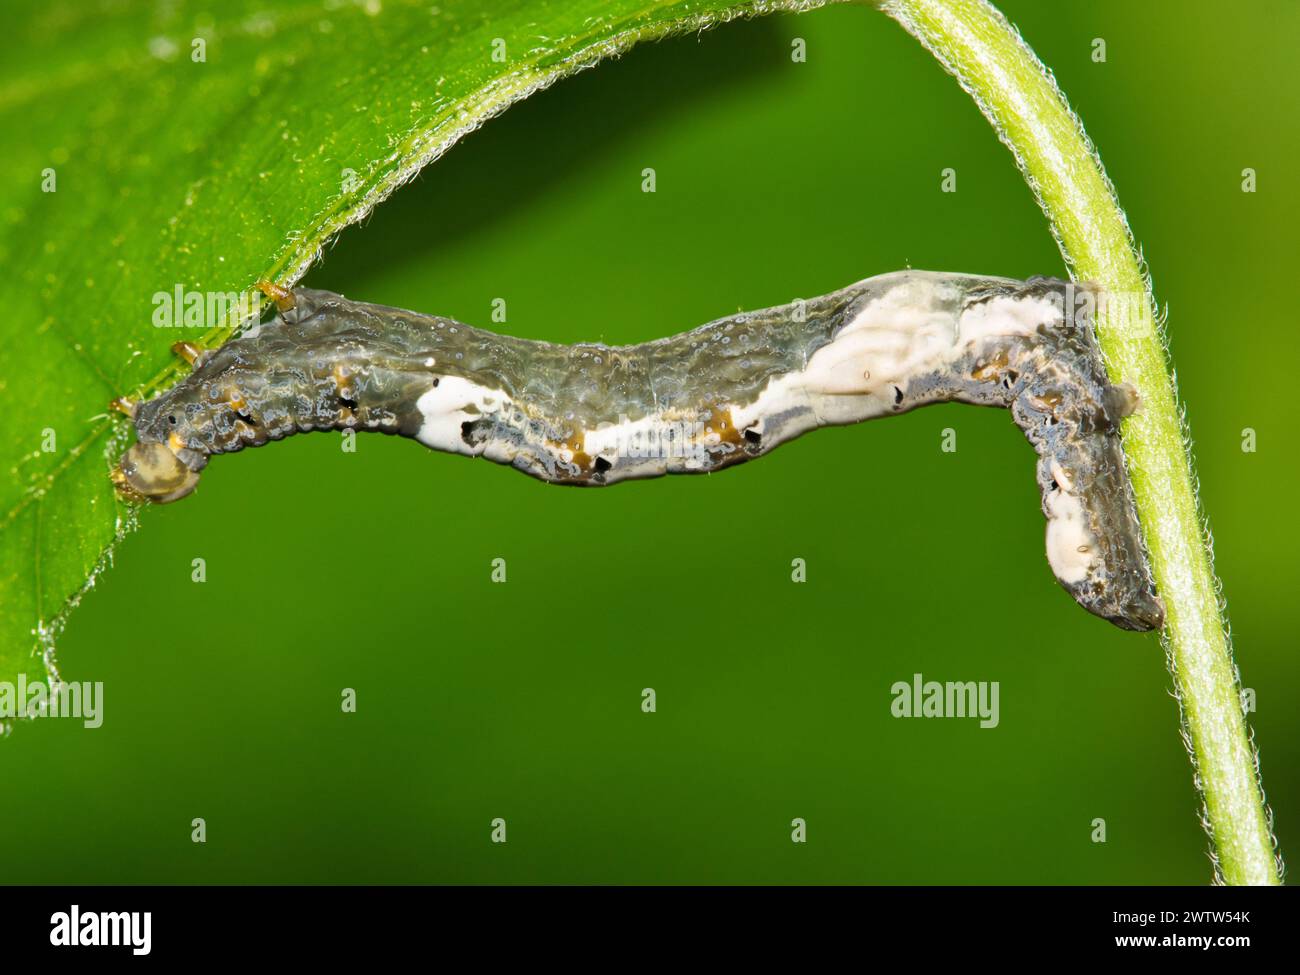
x,y
445,407
785,394
1071,547
1007,315
905,332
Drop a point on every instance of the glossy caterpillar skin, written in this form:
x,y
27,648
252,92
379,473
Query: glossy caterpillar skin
x,y
696,402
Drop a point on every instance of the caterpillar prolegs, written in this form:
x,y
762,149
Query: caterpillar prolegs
x,y
725,392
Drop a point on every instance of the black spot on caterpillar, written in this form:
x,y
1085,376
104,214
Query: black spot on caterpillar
x,y
728,391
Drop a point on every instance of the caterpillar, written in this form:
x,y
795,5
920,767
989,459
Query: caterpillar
x,y
726,392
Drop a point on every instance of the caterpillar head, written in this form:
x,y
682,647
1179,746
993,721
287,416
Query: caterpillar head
x,y
164,465
150,471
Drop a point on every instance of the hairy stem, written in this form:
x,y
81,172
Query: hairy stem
x,y
990,60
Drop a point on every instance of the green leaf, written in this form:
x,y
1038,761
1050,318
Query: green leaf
x,y
204,148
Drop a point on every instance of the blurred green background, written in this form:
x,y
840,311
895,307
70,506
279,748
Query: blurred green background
x,y
775,180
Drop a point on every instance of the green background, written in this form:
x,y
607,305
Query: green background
x,y
775,180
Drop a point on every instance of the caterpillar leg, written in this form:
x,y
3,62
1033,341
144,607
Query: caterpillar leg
x,y
1124,400
191,353
124,404
282,297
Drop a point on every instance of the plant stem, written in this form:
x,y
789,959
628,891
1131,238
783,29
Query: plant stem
x,y
990,60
